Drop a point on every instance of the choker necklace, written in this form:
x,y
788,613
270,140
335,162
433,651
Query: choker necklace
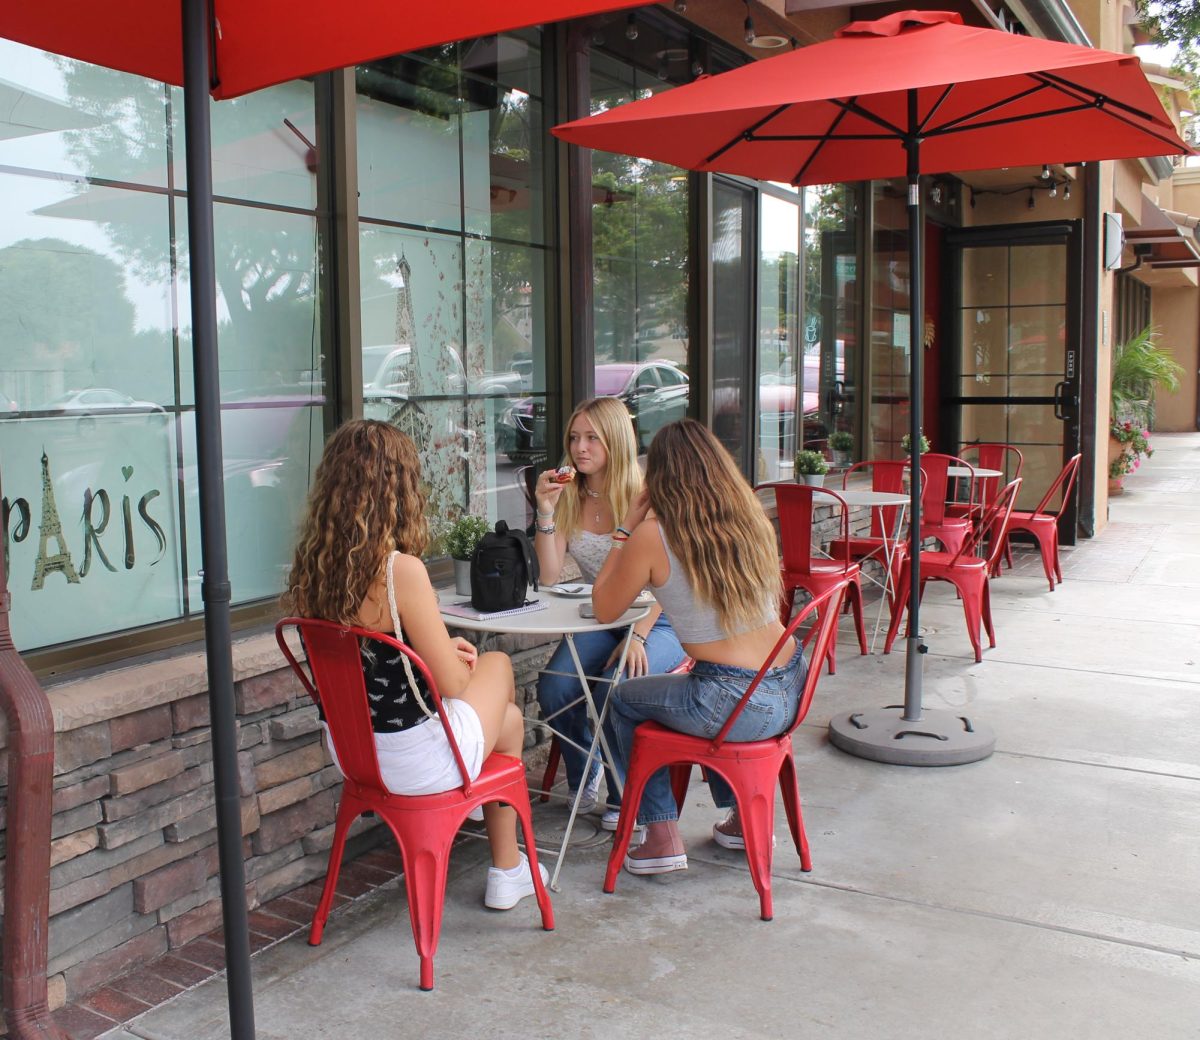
x,y
590,493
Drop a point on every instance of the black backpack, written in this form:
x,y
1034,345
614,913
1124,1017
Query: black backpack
x,y
502,569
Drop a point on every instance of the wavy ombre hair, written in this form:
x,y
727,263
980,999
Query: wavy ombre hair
x,y
622,477
365,501
714,524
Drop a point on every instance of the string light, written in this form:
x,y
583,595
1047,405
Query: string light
x,y
1045,173
1067,192
749,34
680,6
631,29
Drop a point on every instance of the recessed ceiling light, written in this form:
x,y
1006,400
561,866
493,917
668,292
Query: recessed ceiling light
x,y
767,43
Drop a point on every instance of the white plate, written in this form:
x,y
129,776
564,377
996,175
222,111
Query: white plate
x,y
571,590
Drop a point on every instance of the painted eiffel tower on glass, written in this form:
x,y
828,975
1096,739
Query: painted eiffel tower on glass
x,y
408,416
51,528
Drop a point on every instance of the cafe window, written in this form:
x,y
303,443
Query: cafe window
x,y
97,442
453,257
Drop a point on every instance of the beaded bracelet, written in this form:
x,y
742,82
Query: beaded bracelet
x,y
548,529
620,537
624,530
640,638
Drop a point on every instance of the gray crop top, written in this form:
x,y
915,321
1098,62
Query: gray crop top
x,y
693,621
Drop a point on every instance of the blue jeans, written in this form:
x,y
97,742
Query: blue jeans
x,y
699,703
554,692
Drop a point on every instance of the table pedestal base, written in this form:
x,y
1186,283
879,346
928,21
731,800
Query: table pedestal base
x,y
939,738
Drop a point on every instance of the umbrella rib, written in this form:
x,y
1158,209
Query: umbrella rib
x,y
1007,120
821,142
1079,92
953,123
934,108
852,105
745,135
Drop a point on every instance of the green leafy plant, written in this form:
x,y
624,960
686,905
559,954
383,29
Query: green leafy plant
x,y
464,535
1135,442
906,444
811,463
1139,368
841,440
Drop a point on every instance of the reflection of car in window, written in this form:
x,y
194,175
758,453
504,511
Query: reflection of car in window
x,y
96,399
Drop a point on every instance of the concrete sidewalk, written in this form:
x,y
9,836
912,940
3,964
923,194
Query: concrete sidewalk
x,y
1047,892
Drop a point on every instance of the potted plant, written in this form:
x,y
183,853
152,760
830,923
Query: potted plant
x,y
811,468
906,444
1139,367
1134,443
841,443
461,539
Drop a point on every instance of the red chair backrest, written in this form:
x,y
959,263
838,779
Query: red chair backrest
x,y
935,481
829,603
1003,457
886,475
340,690
1066,481
993,526
794,504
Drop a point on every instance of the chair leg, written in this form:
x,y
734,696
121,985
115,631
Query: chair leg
x,y
856,606
790,789
425,851
635,783
348,811
1054,555
1046,550
520,802
551,768
973,610
986,609
681,776
756,812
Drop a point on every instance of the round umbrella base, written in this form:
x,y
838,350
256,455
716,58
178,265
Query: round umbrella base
x,y
940,738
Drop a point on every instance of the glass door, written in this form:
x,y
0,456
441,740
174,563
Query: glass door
x,y
1014,376
733,308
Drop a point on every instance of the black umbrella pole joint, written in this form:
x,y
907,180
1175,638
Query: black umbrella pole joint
x,y
197,21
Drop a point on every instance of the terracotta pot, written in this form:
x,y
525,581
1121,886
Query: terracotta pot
x,y
1116,486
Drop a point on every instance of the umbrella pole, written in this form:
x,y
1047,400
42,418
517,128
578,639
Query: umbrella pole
x,y
210,471
907,734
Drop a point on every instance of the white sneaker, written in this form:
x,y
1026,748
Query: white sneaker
x,y
612,817
505,890
590,797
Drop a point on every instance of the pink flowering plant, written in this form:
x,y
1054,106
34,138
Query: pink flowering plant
x,y
1135,442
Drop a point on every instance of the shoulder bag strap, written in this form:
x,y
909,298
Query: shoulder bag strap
x,y
399,633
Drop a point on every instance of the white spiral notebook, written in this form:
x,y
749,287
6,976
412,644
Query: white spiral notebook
x,y
464,609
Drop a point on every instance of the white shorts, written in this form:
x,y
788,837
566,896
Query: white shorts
x,y
419,760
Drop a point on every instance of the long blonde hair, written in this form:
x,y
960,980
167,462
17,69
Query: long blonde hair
x,y
622,477
365,501
714,525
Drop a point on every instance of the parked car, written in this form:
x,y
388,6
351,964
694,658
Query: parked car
x,y
96,400
655,392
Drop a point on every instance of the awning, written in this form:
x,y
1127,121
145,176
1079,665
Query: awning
x,y
1160,242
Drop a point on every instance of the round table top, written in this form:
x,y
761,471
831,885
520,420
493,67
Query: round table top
x,y
560,616
963,471
853,496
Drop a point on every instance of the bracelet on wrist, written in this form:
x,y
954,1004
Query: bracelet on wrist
x,y
619,538
548,529
624,530
545,516
640,638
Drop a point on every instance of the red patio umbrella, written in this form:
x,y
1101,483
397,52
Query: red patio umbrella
x,y
224,48
915,92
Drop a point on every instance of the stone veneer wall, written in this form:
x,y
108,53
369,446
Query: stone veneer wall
x,y
134,842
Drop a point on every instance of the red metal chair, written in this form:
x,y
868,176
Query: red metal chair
x,y
555,754
966,569
1004,458
752,768
424,826
886,475
936,522
1043,524
801,569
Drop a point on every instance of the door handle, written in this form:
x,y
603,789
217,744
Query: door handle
x,y
1063,400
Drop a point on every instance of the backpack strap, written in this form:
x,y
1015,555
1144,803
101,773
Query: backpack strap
x,y
399,634
532,570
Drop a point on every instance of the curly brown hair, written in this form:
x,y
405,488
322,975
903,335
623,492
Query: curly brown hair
x,y
714,524
365,501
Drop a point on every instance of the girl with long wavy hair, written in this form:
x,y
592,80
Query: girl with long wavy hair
x,y
358,562
580,517
701,541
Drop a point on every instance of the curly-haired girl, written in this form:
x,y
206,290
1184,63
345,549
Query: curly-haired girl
x,y
358,563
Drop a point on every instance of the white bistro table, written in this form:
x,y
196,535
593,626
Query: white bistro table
x,y
965,471
560,617
865,498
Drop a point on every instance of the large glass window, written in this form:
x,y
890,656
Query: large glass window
x,y
453,258
889,321
778,336
97,446
640,250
